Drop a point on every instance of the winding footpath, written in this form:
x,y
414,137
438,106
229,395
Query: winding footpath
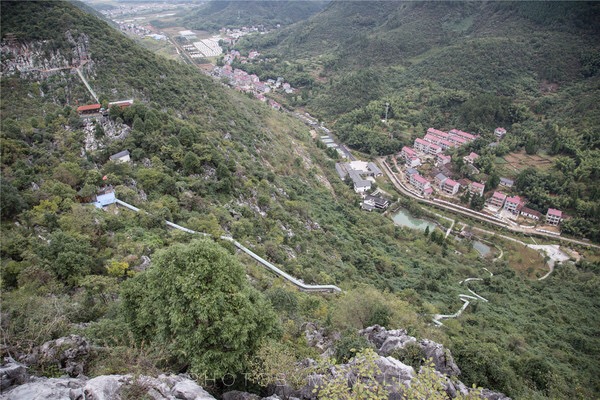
x,y
466,298
296,282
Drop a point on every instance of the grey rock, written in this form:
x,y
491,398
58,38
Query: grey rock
x,y
387,342
47,389
237,395
443,360
67,353
105,387
189,390
489,395
109,387
12,373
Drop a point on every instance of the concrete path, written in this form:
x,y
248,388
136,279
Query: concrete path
x,y
465,298
87,85
554,254
298,283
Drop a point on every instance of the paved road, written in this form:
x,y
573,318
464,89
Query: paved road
x,y
471,214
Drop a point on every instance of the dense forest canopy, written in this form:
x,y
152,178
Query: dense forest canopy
x,y
216,161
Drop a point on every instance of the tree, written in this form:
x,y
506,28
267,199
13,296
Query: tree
x,y
477,202
68,256
195,301
492,182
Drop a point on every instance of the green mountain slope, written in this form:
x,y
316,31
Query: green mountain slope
x,y
216,161
218,14
531,67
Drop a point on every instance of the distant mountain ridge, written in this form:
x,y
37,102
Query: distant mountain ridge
x,y
217,14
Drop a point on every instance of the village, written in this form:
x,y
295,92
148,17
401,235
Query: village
x,y
503,204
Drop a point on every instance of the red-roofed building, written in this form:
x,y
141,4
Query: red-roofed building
x,y
457,140
420,183
431,139
497,199
445,144
438,133
410,157
462,134
434,149
122,103
442,159
421,145
471,158
450,186
476,188
89,109
554,216
513,204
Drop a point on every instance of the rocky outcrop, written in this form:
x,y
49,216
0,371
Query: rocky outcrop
x,y
69,354
387,342
105,387
11,374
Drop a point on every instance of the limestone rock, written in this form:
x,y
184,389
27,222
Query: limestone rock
x,y
47,389
109,387
67,353
387,342
237,395
105,387
12,373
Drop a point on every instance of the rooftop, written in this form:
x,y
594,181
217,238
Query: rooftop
x,y
450,182
119,155
554,212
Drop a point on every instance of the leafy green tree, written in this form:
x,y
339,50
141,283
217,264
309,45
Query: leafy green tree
x,y
68,256
196,302
477,202
492,182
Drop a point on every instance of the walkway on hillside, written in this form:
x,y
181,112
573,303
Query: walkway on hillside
x,y
87,85
465,298
298,283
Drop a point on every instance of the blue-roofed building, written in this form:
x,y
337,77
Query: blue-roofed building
x,y
106,199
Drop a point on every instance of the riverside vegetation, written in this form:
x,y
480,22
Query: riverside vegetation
x,y
218,162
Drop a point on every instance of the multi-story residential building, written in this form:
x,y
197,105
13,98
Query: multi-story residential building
x,y
476,188
513,204
421,145
450,186
500,132
554,216
497,199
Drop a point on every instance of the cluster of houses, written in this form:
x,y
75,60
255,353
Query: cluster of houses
x,y
233,34
434,144
362,174
516,206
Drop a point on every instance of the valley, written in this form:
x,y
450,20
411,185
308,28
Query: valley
x,y
260,178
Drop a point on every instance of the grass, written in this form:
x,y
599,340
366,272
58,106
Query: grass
x,y
526,262
513,163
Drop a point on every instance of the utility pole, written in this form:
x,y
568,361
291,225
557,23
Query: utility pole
x,y
387,107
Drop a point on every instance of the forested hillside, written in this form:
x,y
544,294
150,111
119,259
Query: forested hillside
x,y
530,67
215,15
211,159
